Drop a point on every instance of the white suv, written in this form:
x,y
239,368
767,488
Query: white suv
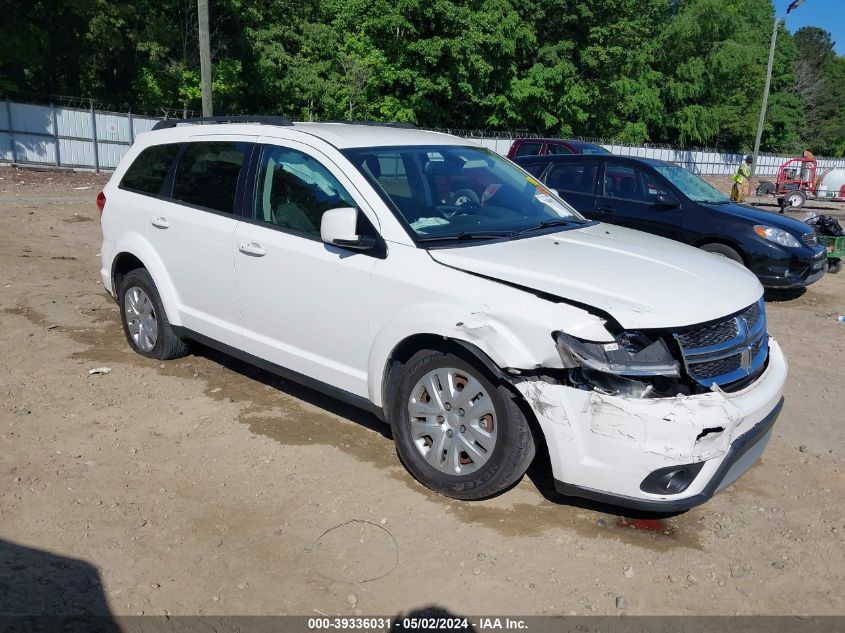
x,y
433,282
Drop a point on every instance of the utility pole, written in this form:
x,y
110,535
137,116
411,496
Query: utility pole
x,y
205,58
765,96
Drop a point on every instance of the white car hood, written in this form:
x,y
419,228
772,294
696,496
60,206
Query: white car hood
x,y
641,280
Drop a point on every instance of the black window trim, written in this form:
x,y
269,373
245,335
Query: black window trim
x,y
247,207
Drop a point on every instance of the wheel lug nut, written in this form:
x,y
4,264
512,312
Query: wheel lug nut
x,y
449,433
460,411
463,429
440,419
447,406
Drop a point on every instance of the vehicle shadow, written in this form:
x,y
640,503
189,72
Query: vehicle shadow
x,y
313,397
777,295
539,473
38,589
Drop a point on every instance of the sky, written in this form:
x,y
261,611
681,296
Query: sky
x,y
827,14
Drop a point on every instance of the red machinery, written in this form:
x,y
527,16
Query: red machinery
x,y
795,183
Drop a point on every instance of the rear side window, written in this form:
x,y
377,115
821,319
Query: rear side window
x,y
575,177
529,149
149,170
207,174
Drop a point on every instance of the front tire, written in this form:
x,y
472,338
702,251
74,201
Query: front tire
x,y
145,323
457,431
724,251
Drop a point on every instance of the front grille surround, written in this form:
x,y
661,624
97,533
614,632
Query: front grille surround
x,y
727,350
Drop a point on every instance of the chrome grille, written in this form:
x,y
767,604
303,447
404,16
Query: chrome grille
x,y
713,368
708,335
728,350
810,239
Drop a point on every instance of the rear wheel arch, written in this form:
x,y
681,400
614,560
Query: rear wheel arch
x,y
123,264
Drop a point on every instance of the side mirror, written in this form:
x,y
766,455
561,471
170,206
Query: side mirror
x,y
338,227
666,201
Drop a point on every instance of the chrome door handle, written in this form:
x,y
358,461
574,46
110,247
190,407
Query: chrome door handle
x,y
160,222
252,249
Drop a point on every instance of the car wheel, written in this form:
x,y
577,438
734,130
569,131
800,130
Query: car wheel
x,y
795,200
456,431
724,251
144,320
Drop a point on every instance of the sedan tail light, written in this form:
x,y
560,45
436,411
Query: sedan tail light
x,y
101,202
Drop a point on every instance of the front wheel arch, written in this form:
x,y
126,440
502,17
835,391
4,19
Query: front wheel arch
x,y
722,242
409,346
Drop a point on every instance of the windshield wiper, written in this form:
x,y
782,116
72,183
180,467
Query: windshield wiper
x,y
714,201
547,223
487,235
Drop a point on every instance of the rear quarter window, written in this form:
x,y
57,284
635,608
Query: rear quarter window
x,y
149,170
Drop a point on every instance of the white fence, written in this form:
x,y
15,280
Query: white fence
x,y
66,137
699,161
90,139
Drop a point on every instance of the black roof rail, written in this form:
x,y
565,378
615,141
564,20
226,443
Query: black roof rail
x,y
208,120
399,124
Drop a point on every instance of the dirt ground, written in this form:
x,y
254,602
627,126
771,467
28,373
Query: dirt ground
x,y
203,486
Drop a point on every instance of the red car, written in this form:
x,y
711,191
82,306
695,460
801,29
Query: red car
x,y
543,146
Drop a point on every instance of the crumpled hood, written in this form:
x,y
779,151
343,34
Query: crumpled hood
x,y
641,280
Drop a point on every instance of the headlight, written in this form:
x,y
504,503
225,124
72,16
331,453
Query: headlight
x,y
778,236
632,354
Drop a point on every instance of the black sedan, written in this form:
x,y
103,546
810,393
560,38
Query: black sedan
x,y
665,199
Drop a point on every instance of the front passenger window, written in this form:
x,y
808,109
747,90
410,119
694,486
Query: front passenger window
x,y
294,190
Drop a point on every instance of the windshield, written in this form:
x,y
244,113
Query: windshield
x,y
450,192
691,185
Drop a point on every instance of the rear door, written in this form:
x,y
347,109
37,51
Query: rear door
x,y
627,198
193,231
575,182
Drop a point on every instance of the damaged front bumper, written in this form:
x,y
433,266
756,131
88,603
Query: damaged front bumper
x,y
621,450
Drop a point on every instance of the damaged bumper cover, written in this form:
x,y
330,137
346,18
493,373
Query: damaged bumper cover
x,y
620,450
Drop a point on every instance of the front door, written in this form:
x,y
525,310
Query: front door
x,y
627,198
304,303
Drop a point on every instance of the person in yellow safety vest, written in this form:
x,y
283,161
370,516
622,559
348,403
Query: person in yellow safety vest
x,y
742,180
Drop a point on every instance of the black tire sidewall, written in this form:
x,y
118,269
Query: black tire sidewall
x,y
724,251
486,481
142,279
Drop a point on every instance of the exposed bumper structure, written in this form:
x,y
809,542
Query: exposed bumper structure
x,y
604,447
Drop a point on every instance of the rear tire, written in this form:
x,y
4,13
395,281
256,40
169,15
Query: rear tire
x,y
724,251
469,444
145,323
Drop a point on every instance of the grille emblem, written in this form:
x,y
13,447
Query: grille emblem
x,y
745,359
